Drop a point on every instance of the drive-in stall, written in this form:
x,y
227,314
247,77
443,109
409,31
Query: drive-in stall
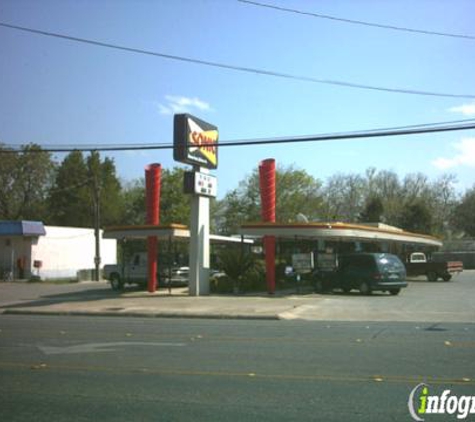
x,y
168,236
319,243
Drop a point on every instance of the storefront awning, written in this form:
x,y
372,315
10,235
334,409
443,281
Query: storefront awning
x,y
22,228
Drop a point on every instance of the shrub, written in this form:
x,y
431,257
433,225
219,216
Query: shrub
x,y
242,271
221,284
254,278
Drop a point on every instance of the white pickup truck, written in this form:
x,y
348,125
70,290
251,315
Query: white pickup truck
x,y
136,272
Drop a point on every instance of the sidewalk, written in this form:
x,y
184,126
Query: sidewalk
x,y
422,301
98,299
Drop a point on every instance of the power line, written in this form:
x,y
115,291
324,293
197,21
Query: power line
x,y
165,145
239,68
372,133
356,135
358,22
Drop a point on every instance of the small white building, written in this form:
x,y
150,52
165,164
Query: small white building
x,y
28,248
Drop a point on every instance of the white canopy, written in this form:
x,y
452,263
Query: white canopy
x,y
339,231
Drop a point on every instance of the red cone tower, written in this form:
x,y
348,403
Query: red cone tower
x,y
152,195
267,187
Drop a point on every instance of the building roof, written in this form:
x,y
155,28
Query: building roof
x,y
173,231
22,228
144,231
339,231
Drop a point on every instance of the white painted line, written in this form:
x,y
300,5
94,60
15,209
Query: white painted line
x,y
100,347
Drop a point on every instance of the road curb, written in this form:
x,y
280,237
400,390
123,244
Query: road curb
x,y
143,315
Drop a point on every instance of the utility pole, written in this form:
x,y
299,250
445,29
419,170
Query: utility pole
x,y
97,222
97,216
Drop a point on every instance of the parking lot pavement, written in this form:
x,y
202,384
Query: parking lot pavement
x,y
421,301
26,292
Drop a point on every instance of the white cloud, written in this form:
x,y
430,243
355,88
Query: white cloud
x,y
138,153
465,109
178,104
465,155
444,163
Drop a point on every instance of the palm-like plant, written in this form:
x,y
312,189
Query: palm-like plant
x,y
236,264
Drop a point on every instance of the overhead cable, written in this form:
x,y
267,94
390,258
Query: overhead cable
x,y
92,147
358,22
373,133
239,68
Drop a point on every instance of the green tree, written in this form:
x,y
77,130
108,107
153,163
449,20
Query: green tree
x,y
373,211
9,201
443,201
413,202
239,206
417,217
133,196
464,213
416,187
297,192
25,178
102,176
436,201
73,195
69,199
174,203
344,197
386,185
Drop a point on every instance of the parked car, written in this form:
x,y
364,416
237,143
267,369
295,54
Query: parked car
x,y
179,277
366,272
417,264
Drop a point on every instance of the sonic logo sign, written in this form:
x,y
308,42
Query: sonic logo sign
x,y
195,141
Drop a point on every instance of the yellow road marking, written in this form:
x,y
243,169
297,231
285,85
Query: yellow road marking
x,y
233,339
255,375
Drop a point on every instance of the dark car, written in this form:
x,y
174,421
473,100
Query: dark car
x,y
366,272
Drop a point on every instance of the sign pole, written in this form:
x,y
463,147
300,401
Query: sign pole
x,y
195,143
199,244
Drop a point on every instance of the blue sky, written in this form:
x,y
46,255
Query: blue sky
x,y
54,91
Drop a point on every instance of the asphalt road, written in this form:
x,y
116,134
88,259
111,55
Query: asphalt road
x,y
131,369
